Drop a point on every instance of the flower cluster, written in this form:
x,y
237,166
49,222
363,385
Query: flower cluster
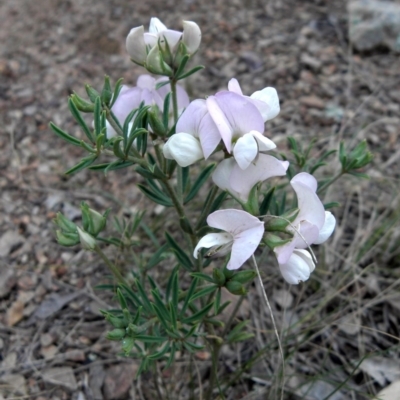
x,y
233,124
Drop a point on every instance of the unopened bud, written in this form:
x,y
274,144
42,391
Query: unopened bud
x,y
235,288
88,242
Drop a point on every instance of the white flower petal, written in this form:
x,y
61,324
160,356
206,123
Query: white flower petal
x,y
233,221
327,229
264,144
269,108
222,176
311,207
298,268
191,36
264,167
244,245
183,148
156,26
136,46
233,86
212,239
245,150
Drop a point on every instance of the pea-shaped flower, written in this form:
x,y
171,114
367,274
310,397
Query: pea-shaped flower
x,y
242,235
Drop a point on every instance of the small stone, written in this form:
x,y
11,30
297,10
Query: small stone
x,y
7,281
310,62
10,361
16,383
9,242
118,380
312,102
46,339
283,298
15,313
48,352
27,282
61,376
96,379
75,355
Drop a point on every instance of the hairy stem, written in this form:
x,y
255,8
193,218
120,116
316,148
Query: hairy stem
x,y
114,270
325,185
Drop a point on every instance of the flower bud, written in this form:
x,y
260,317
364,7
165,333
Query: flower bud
x,y
136,46
219,277
64,223
244,276
273,241
93,222
116,334
81,104
191,37
235,288
66,238
155,63
88,242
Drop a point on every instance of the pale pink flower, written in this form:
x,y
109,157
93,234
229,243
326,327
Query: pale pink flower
x,y
313,225
242,235
229,176
131,97
266,100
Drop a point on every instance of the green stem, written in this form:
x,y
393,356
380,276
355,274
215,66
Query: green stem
x,y
174,99
329,183
214,370
232,316
114,270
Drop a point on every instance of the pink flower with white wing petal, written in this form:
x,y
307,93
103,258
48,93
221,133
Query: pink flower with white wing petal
x,y
240,125
242,235
313,225
266,100
195,126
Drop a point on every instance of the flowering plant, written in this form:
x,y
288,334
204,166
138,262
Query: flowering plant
x,y
154,130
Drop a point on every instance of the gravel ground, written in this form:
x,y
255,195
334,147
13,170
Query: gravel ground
x,y
49,318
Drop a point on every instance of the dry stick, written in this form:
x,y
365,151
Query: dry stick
x,y
273,323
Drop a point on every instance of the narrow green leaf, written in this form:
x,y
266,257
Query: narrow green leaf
x,y
161,316
64,135
151,339
170,284
84,163
145,300
121,299
182,64
181,256
191,72
199,315
201,179
97,117
193,347
218,202
157,257
106,93
202,276
189,294
204,292
165,117
333,204
161,84
119,164
155,197
185,178
264,206
161,353
78,118
117,90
